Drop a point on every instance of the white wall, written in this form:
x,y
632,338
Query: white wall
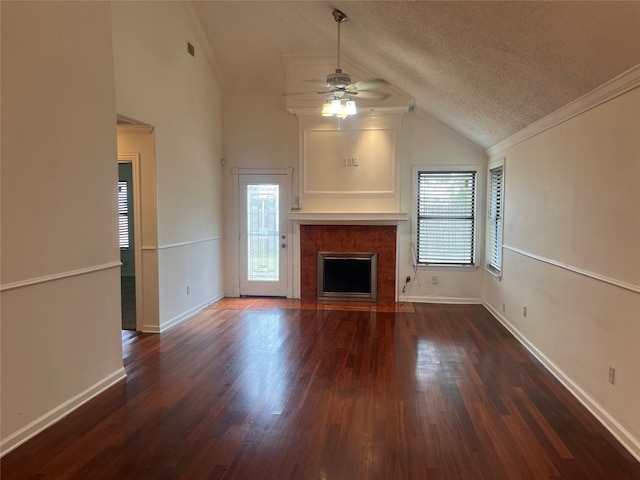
x,y
427,142
258,133
159,83
60,304
572,256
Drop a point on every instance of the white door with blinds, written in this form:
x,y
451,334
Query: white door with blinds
x,y
263,239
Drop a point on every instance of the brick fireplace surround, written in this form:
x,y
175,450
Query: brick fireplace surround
x,y
380,239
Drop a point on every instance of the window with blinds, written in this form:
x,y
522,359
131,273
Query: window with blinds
x,y
446,217
494,219
123,214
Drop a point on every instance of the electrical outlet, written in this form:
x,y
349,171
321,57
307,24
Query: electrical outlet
x,y
524,311
612,375
434,280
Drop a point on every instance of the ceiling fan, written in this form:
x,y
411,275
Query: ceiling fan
x,y
339,90
340,82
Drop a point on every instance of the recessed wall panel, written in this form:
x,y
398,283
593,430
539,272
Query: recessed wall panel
x,y
353,161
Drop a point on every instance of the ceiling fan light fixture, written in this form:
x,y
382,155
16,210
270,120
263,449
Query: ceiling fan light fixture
x,y
340,107
326,109
338,82
351,108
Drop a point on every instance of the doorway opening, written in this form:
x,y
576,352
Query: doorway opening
x,y
126,239
136,151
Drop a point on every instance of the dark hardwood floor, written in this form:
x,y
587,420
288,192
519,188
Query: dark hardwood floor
x,y
324,392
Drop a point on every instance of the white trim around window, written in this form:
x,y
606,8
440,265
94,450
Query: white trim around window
x,y
422,217
495,216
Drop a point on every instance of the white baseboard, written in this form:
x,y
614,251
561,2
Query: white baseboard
x,y
450,300
182,317
627,440
52,416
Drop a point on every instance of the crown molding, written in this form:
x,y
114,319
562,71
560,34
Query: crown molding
x,y
615,87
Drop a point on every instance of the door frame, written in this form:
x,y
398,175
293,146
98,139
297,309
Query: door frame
x,y
134,159
236,172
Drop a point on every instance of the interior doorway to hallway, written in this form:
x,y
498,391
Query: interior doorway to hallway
x,y
126,239
139,293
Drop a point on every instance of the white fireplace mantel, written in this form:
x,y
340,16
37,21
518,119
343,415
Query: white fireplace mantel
x,y
347,218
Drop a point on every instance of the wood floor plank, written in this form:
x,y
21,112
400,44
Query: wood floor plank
x,y
279,389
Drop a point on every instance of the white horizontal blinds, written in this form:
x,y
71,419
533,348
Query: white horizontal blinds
x,y
446,218
494,219
123,215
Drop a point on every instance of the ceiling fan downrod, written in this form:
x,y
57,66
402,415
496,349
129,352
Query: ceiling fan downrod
x,y
339,79
339,18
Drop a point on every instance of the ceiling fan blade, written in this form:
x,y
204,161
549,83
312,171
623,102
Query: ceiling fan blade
x,y
316,83
369,84
291,94
369,95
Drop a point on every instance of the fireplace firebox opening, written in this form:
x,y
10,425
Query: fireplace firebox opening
x,y
348,275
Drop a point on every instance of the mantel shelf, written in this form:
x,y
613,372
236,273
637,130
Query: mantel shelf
x,y
351,218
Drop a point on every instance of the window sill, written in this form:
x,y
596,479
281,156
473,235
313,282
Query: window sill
x,y
494,272
471,268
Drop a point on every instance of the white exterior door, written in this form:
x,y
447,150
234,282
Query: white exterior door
x,y
263,234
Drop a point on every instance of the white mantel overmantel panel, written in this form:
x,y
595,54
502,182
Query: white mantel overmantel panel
x,y
349,165
347,218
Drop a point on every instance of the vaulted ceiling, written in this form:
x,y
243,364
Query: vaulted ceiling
x,y
485,68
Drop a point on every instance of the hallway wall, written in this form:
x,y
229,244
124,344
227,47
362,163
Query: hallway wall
x,y
60,300
159,83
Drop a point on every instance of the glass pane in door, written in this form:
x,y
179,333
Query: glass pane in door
x,y
263,246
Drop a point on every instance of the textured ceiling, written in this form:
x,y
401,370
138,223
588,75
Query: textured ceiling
x,y
486,69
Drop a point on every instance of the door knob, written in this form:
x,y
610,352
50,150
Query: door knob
x,y
283,245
